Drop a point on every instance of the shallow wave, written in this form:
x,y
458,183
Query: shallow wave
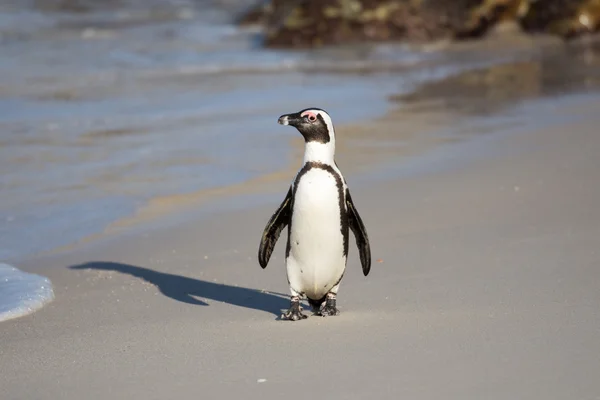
x,y
22,293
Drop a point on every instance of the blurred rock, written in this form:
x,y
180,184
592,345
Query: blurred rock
x,y
318,22
311,23
567,18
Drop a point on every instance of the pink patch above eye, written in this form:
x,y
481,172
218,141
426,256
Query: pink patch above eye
x,y
311,115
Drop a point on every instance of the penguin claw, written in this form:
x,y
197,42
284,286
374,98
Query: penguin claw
x,y
329,312
328,309
295,312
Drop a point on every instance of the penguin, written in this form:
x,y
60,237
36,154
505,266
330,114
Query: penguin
x,y
318,212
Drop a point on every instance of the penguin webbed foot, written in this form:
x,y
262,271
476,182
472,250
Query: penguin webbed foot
x,y
328,308
295,311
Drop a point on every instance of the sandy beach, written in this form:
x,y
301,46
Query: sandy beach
x,y
484,285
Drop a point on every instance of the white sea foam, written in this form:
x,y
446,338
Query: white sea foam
x,y
22,293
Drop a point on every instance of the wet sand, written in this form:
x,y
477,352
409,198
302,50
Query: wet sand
x,y
484,285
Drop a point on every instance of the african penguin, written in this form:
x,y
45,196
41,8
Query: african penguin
x,y
318,212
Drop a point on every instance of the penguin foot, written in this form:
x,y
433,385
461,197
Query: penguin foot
x,y
295,311
328,308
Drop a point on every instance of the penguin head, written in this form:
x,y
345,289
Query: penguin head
x,y
313,123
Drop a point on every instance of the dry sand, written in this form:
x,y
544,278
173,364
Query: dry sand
x,y
484,286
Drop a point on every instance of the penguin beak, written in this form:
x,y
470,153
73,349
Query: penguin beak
x,y
290,119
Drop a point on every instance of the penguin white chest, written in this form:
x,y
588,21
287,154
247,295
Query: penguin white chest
x,y
316,261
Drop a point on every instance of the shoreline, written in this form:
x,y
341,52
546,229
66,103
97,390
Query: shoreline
x,y
488,267
428,156
428,144
169,210
122,164
439,125
160,209
477,183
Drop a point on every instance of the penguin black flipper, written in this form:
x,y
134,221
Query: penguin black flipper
x,y
360,233
278,221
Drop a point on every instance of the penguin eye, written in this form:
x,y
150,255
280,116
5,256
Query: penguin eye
x,y
312,117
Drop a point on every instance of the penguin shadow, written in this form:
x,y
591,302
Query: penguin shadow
x,y
188,290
